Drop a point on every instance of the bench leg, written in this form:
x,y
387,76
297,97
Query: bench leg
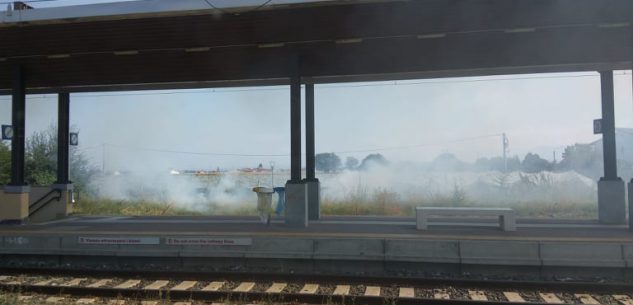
x,y
421,222
507,223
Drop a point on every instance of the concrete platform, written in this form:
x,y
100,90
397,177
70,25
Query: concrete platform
x,y
358,245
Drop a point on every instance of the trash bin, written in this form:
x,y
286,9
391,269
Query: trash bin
x,y
264,203
281,199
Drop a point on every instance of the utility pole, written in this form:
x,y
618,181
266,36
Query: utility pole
x,y
505,143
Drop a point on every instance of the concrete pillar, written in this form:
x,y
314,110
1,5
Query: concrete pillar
x,y
611,188
296,214
14,199
313,186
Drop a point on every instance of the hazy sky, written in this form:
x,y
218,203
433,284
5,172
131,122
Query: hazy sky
x,y
540,113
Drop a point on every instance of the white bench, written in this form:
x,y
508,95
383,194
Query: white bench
x,y
507,218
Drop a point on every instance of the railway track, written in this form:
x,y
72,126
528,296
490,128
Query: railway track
x,y
127,288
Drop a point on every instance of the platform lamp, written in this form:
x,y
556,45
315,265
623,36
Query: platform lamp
x,y
7,132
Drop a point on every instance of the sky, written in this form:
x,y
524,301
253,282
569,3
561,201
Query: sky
x,y
539,113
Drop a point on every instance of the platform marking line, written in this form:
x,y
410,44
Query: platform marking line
x,y
276,288
156,285
406,292
309,289
73,282
441,295
341,290
550,298
86,301
514,297
586,299
476,295
100,283
44,282
244,287
24,297
184,285
54,299
372,291
213,286
128,284
623,299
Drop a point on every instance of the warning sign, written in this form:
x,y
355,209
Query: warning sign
x,y
208,241
118,240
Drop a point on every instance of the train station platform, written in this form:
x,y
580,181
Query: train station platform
x,y
351,245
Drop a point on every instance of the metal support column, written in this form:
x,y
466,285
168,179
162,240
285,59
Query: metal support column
x,y
18,121
295,129
310,147
63,137
611,189
313,186
608,126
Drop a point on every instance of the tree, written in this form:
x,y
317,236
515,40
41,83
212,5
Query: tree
x,y
327,162
41,162
533,163
373,159
351,163
582,158
5,164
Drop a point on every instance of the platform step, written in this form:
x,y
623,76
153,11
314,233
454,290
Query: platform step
x,y
406,292
244,287
550,298
341,290
623,299
514,297
100,283
276,288
309,289
476,295
184,285
372,291
586,299
156,285
213,286
128,284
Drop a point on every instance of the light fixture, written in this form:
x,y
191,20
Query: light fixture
x,y
198,49
130,52
431,36
57,56
349,40
271,45
614,25
520,30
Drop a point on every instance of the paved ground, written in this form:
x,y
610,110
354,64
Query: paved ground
x,y
374,227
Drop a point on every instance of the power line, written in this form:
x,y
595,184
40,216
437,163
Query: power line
x,y
389,148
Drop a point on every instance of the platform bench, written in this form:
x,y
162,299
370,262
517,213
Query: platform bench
x,y
507,218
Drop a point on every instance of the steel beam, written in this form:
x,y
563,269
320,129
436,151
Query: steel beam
x,y
63,137
295,129
18,113
608,127
310,141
